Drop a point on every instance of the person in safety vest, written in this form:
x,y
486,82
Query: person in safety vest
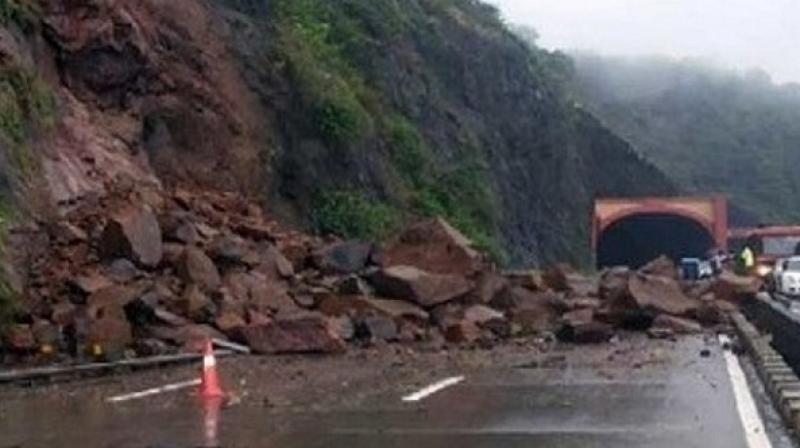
x,y
747,259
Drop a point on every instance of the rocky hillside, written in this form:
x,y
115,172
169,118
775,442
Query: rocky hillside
x,y
348,117
709,129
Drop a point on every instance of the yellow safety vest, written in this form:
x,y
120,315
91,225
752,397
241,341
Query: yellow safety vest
x,y
748,258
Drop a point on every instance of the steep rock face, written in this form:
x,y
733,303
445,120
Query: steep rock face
x,y
147,84
422,107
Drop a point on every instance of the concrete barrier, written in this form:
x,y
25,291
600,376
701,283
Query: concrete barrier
x,y
783,326
779,378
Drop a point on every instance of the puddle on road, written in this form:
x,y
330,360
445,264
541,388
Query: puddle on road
x,y
182,421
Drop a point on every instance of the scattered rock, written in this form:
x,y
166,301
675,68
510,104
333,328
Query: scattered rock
x,y
47,334
433,246
194,267
462,332
342,258
581,327
231,324
660,294
490,284
122,271
377,327
90,283
195,305
488,319
677,325
306,334
555,277
661,267
423,288
533,313
133,233
63,314
529,279
733,288
110,334
19,338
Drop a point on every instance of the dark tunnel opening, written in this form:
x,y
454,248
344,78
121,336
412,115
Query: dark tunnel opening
x,y
635,240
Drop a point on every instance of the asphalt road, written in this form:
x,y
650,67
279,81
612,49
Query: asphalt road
x,y
687,401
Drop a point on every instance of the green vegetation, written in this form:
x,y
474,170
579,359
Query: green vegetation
x,y
310,39
325,44
711,130
23,13
26,104
7,295
460,194
352,214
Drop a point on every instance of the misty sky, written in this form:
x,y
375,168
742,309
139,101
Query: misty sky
x,y
741,34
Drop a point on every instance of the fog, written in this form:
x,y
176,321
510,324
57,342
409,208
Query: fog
x,y
738,34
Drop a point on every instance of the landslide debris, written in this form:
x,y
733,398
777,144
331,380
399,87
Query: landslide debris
x,y
146,271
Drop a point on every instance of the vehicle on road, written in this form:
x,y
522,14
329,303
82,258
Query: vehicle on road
x,y
785,278
770,244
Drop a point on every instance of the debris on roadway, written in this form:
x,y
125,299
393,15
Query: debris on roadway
x,y
143,272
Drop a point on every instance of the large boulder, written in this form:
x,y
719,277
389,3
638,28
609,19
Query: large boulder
x,y
195,305
310,333
533,312
614,284
376,327
462,332
734,288
488,319
133,233
257,291
195,267
342,258
490,284
529,279
517,297
355,305
111,301
580,327
658,294
555,277
661,267
435,246
109,336
423,288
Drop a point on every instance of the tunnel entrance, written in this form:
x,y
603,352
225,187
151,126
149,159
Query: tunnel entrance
x,y
637,239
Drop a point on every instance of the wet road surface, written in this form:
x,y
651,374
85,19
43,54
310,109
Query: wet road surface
x,y
681,400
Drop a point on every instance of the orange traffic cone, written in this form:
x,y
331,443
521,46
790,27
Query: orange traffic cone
x,y
209,386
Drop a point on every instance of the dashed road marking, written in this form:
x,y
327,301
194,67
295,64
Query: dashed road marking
x,y
754,430
432,389
154,391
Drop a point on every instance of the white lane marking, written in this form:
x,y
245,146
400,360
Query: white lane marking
x,y
433,388
751,421
154,391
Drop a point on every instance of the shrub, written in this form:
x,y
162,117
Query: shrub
x,y
7,295
329,87
351,214
23,13
461,195
26,103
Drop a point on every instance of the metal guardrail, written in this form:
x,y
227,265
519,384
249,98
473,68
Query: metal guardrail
x,y
19,375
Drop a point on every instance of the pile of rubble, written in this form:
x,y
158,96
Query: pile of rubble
x,y
147,272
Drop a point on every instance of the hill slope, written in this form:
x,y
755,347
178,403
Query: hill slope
x,y
710,130
349,117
